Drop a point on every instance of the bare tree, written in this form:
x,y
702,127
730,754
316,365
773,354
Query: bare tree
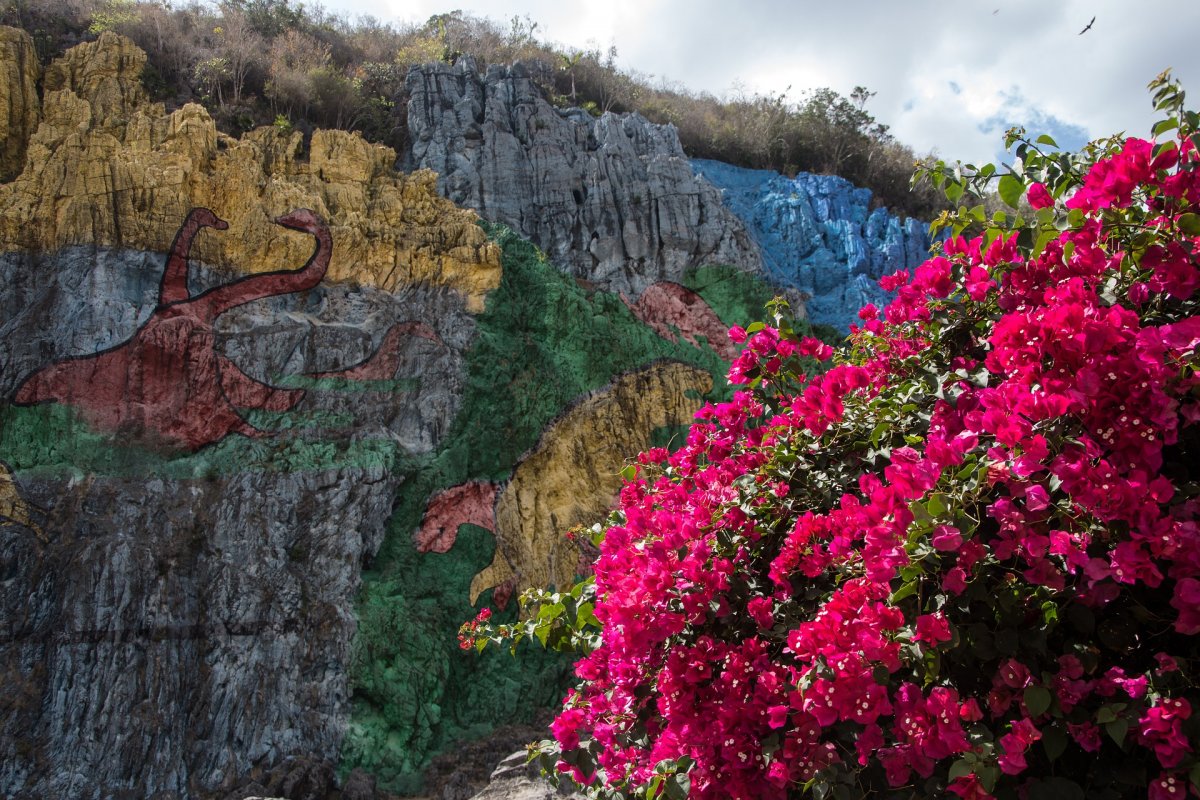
x,y
239,45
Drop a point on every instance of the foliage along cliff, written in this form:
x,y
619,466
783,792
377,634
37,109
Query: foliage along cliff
x,y
231,371
819,234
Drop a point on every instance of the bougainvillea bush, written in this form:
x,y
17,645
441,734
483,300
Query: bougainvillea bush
x,y
962,560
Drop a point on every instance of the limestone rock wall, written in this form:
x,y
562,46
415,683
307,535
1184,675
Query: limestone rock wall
x,y
19,105
106,167
176,616
573,475
613,200
818,234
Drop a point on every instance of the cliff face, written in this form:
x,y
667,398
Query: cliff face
x,y
203,399
818,234
106,167
235,371
18,99
613,200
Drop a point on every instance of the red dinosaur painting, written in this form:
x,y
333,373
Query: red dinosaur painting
x,y
167,384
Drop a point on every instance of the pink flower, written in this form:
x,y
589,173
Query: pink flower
x,y
946,537
1039,197
968,787
566,727
1168,786
933,628
1014,674
1086,734
760,611
777,716
737,334
1012,761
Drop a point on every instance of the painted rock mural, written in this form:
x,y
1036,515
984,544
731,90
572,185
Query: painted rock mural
x,y
214,354
275,419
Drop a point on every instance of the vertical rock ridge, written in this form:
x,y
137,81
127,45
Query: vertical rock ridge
x,y
612,199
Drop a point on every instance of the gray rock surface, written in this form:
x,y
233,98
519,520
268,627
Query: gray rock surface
x,y
187,623
513,779
613,200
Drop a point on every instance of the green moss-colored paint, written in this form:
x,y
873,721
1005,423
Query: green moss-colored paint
x,y
51,439
739,297
542,341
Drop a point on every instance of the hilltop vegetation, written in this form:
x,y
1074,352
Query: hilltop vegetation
x,y
255,62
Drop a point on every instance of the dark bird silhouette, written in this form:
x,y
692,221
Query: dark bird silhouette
x,y
1088,27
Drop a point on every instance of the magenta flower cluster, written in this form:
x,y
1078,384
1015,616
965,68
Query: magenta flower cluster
x,y
815,588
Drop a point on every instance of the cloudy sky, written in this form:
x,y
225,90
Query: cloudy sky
x,y
949,77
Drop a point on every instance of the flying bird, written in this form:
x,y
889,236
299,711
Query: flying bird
x,y
1087,27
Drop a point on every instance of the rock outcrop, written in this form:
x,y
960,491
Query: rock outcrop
x,y
818,234
19,105
106,167
572,476
613,200
514,779
179,578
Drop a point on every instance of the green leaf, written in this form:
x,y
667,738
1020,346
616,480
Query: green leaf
x,y
629,472
1189,224
879,431
1037,700
1010,189
1046,138
1162,126
954,191
1042,240
1054,740
907,590
1117,730
959,769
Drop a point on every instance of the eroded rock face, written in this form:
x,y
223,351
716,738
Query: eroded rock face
x,y
573,475
174,634
199,607
177,611
613,200
19,105
818,234
106,167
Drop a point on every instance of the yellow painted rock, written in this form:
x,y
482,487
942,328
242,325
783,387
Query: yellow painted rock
x,y
572,476
18,98
107,167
